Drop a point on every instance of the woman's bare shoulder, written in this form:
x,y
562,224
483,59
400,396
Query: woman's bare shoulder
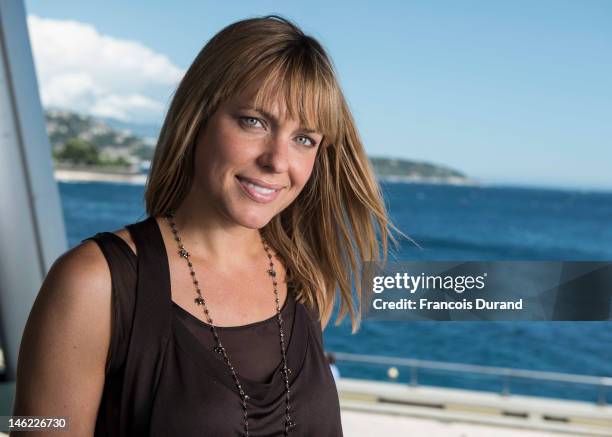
x,y
79,283
83,264
86,262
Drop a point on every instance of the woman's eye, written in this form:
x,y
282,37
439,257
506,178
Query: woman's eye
x,y
307,141
251,121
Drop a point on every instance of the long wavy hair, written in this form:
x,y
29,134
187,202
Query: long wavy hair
x,y
339,219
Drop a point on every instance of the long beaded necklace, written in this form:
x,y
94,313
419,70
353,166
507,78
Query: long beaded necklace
x,y
199,300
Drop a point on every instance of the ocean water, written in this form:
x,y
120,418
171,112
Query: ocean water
x,y
449,223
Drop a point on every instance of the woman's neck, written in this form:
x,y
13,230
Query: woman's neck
x,y
208,238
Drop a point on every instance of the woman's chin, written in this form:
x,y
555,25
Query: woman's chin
x,y
253,221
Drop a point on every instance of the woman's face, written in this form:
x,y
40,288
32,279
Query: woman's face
x,y
251,164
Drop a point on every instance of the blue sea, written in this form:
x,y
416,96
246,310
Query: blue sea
x,y
449,223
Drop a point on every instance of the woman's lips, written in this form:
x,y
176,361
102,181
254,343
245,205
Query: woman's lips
x,y
258,194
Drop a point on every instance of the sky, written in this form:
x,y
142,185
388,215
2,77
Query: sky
x,y
516,92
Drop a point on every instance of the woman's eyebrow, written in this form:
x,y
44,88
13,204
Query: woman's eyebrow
x,y
274,120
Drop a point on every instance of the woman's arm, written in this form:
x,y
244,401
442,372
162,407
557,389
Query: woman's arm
x,y
63,353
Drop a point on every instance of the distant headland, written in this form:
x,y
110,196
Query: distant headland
x,y
85,148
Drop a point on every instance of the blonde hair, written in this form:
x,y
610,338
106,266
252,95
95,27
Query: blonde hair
x,y
332,225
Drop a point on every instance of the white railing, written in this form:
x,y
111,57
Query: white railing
x,y
601,383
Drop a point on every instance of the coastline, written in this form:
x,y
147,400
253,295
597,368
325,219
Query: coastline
x,y
421,180
89,175
95,175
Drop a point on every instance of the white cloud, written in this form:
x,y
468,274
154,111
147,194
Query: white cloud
x,y
82,70
120,107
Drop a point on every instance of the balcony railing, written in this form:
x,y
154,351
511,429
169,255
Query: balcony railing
x,y
506,375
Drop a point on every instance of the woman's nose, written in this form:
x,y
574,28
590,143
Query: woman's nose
x,y
274,155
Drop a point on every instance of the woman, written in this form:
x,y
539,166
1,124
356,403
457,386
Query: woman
x,y
206,318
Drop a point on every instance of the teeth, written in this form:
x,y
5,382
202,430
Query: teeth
x,y
259,189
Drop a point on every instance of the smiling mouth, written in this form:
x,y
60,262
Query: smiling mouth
x,y
256,192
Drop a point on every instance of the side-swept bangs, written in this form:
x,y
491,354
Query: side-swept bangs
x,y
302,79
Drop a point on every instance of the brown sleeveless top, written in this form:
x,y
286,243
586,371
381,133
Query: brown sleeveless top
x,y
164,379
